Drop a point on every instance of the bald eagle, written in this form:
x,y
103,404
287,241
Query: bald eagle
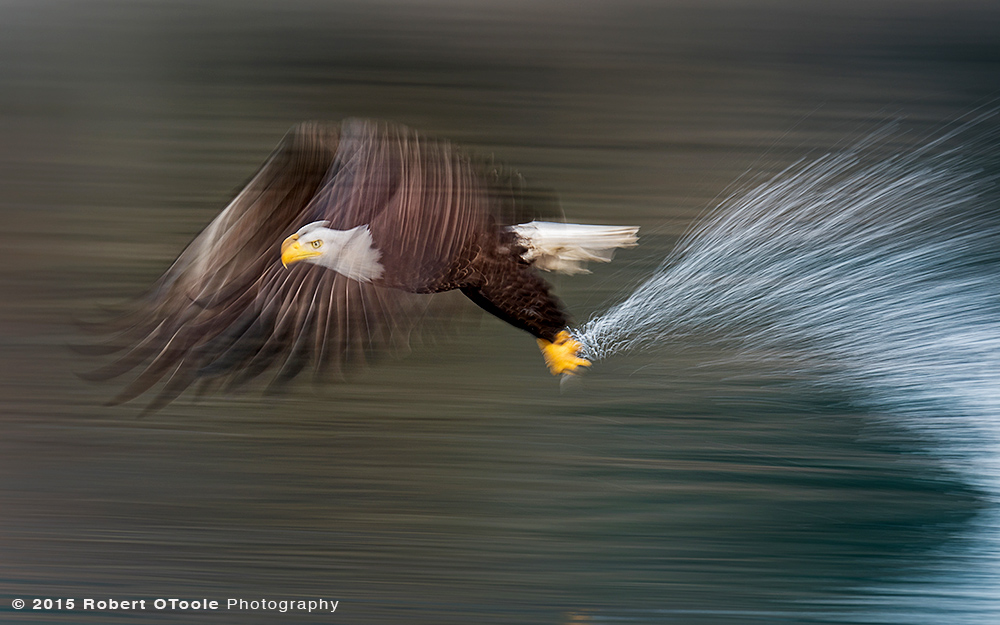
x,y
314,261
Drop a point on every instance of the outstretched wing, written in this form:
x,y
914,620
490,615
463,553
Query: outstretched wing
x,y
226,309
427,204
234,250
423,201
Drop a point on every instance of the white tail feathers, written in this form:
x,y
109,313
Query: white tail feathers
x,y
566,247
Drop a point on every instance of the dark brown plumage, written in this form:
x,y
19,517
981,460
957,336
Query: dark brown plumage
x,y
227,308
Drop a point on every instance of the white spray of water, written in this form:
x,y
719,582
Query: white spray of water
x,y
870,271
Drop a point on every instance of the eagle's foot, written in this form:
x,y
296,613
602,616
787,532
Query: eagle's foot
x,y
561,355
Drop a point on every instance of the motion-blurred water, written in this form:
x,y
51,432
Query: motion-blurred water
x,y
871,272
714,485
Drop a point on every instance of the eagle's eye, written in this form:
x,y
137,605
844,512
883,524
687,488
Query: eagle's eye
x,y
317,244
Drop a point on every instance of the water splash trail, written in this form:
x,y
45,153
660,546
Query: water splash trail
x,y
874,271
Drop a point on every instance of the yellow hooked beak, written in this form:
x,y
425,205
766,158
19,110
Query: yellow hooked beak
x,y
292,251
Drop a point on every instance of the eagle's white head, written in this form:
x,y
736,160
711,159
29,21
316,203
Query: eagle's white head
x,y
351,253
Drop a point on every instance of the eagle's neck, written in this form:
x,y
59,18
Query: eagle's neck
x,y
351,253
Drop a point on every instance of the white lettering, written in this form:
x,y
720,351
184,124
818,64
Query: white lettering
x,y
112,604
283,605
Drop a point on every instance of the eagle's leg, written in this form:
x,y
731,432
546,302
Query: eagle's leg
x,y
522,299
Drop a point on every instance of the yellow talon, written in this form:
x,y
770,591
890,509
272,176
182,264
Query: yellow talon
x,y
561,354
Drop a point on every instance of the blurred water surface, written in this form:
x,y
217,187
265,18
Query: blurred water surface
x,y
460,484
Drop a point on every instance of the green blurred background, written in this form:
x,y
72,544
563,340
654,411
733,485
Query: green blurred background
x,y
461,484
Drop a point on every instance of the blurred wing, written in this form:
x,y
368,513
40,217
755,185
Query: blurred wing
x,y
429,206
227,308
239,244
423,201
